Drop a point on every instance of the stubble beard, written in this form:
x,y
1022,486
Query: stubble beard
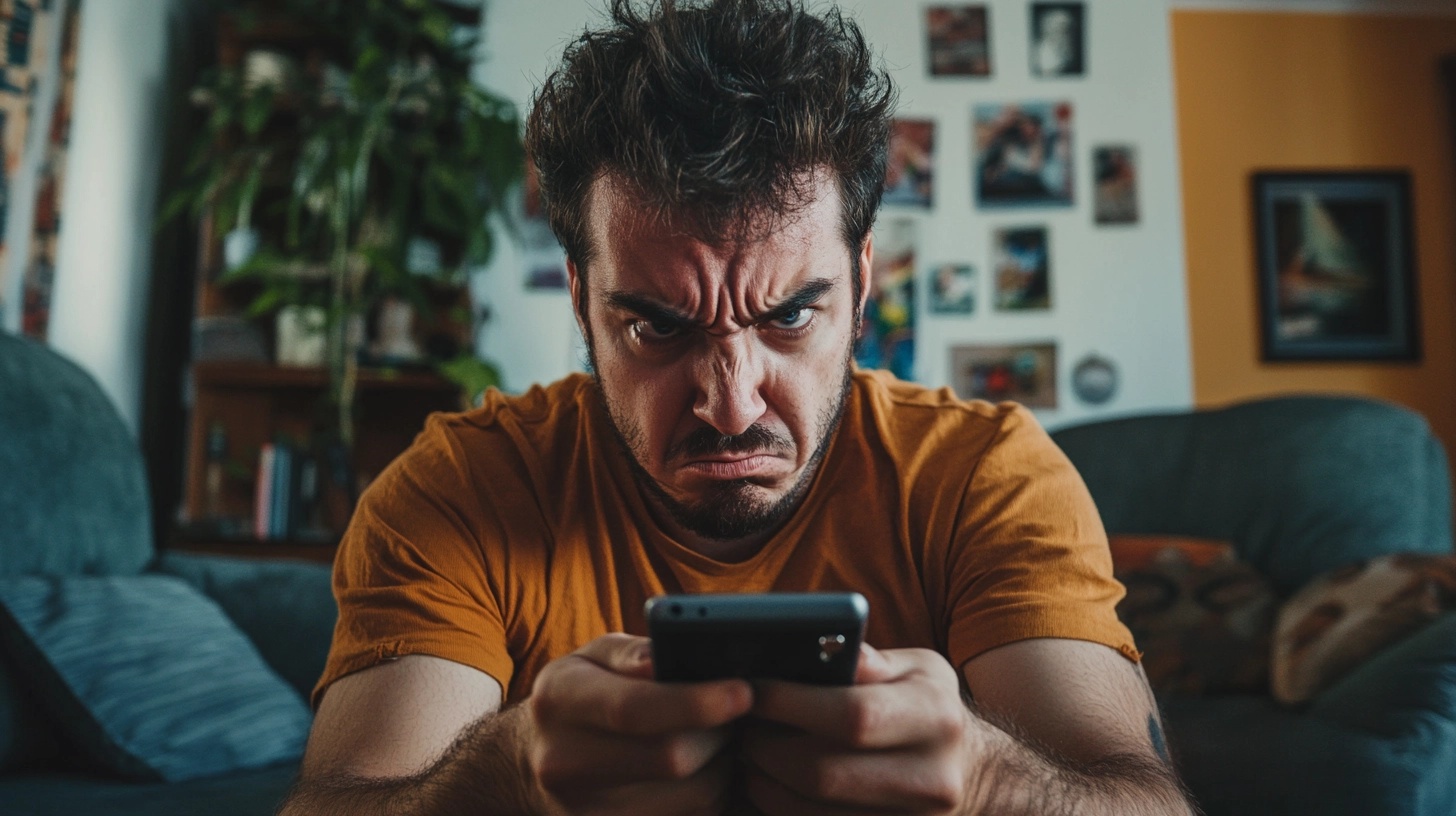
x,y
732,509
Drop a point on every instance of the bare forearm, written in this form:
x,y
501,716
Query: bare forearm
x,y
485,771
1021,780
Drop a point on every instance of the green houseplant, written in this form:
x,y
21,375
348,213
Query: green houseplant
x,y
376,161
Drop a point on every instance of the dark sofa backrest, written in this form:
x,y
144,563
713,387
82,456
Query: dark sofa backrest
x,y
1299,484
73,490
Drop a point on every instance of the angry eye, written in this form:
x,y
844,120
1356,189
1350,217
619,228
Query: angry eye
x,y
656,329
797,319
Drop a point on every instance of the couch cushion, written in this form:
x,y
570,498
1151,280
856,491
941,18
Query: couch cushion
x,y
1201,617
26,739
1342,618
1249,756
286,608
246,793
1299,485
74,498
148,677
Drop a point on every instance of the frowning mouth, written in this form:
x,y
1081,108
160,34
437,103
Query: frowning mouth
x,y
735,466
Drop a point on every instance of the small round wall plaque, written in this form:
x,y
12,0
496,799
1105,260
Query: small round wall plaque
x,y
1094,380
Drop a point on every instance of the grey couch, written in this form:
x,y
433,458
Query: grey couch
x,y
74,501
1299,485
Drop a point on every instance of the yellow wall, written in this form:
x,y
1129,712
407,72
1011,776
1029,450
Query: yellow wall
x,y
1310,92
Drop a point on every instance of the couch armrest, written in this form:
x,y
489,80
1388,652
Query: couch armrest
x,y
1401,691
285,607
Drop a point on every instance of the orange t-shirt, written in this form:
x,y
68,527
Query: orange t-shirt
x,y
511,535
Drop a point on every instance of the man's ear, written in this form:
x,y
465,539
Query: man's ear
x,y
866,266
574,284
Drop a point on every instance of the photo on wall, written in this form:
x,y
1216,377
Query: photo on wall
x,y
910,173
887,328
1114,188
1024,373
1337,277
953,289
1058,40
1022,260
541,254
1023,154
958,40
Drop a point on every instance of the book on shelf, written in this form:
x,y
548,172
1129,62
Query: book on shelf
x,y
289,492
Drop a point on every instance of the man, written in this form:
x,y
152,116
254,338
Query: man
x,y
713,172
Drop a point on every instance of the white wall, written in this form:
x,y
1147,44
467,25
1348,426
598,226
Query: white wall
x,y
103,264
1119,292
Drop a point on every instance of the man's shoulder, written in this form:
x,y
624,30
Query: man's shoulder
x,y
507,432
916,413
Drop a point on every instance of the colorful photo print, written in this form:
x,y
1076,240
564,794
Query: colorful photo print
x,y
1058,39
1025,373
887,329
1023,269
1336,266
953,289
910,174
1023,154
1114,188
541,254
959,40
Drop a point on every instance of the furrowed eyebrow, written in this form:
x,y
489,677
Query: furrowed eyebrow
x,y
805,295
656,312
649,310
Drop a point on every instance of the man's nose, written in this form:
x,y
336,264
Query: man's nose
x,y
729,384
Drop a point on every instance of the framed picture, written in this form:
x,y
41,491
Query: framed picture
x,y
1023,154
1336,266
1022,268
959,40
887,327
1114,191
953,289
1024,373
1058,39
910,172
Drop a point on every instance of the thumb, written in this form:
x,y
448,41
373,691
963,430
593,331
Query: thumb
x,y
627,655
875,666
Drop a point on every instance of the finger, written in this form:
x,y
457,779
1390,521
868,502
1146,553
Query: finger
x,y
704,792
621,653
818,770
874,666
593,757
919,704
579,693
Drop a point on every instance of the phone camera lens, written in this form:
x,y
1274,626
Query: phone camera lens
x,y
677,610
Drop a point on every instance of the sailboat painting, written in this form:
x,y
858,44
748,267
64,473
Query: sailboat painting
x,y
1336,266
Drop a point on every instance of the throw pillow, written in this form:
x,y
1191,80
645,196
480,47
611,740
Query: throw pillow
x,y
1201,616
1345,616
148,677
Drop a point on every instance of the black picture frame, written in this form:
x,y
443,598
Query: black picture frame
x,y
1336,265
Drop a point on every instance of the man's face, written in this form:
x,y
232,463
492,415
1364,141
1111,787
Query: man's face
x,y
724,368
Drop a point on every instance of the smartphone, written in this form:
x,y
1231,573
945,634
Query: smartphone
x,y
804,637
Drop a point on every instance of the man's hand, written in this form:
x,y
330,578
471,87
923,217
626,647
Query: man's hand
x,y
608,739
900,740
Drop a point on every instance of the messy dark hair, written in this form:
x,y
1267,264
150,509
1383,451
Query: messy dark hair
x,y
718,115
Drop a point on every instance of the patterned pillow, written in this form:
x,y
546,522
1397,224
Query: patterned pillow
x,y
1201,616
1345,616
147,677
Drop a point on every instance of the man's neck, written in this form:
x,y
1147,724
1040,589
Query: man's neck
x,y
728,551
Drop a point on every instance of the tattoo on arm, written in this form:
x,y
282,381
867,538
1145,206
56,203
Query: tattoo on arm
x,y
1155,733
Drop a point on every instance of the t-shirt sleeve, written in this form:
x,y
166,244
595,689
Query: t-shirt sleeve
x,y
409,576
1032,558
